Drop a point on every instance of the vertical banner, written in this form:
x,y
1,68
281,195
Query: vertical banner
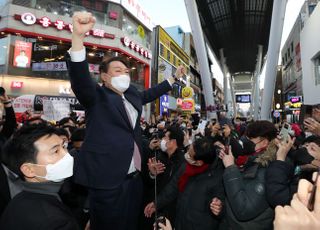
x,y
22,54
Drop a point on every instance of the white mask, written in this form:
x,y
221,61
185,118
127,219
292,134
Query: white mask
x,y
60,170
121,82
163,145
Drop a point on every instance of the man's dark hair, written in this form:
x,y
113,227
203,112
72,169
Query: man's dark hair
x,y
204,150
314,139
62,132
263,129
78,135
177,134
104,66
32,119
66,120
21,149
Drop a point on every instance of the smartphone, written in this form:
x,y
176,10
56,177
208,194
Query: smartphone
x,y
305,112
285,131
226,145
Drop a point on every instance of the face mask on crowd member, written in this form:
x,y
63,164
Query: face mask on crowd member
x,y
309,151
172,140
114,74
258,136
37,154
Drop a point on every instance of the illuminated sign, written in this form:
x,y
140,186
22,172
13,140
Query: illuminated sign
x,y
244,98
16,84
136,47
164,104
113,15
28,18
296,99
45,22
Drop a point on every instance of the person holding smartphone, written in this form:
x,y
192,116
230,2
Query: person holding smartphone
x,y
246,203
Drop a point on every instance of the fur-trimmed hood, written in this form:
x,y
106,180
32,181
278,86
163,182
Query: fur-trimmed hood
x,y
270,154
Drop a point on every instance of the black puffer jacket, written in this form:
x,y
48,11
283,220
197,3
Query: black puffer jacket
x,y
193,206
247,206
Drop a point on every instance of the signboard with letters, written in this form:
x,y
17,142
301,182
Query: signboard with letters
x,y
243,98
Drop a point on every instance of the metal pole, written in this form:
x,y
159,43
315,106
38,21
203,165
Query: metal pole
x,y
201,51
257,85
278,14
253,95
225,77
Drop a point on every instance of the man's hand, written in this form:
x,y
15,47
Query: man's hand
x,y
180,72
165,227
297,216
149,209
155,167
312,126
227,159
82,23
284,147
216,206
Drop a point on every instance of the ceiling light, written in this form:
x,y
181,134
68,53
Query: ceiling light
x,y
91,54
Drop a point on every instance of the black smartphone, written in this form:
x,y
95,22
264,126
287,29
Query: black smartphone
x,y
226,145
305,112
2,91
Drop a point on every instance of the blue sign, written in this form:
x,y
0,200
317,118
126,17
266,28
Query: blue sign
x,y
243,98
276,114
164,104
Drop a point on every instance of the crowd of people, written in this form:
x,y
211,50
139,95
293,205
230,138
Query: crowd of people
x,y
118,171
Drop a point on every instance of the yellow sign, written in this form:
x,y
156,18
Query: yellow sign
x,y
171,51
141,31
187,92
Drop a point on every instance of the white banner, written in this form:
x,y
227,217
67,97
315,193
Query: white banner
x,y
55,110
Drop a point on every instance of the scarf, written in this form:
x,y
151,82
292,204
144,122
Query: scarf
x,y
242,160
191,170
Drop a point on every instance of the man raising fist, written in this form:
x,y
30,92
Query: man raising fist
x,y
109,162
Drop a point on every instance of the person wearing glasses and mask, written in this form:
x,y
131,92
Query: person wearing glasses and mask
x,y
109,162
37,155
244,179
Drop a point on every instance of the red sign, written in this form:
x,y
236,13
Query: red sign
x,y
22,54
16,84
113,15
45,22
136,47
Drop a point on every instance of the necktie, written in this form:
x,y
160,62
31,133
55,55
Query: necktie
x,y
136,152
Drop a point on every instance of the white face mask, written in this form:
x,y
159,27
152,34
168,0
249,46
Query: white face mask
x,y
60,170
163,145
121,82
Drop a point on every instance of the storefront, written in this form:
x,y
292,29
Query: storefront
x,y
34,44
292,109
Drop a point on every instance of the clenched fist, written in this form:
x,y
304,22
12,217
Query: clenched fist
x,y
82,22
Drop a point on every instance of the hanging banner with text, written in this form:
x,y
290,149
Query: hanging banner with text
x,y
55,110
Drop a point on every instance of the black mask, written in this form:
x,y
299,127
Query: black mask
x,y
249,146
301,156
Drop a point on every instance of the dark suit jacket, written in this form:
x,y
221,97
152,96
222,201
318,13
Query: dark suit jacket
x,y
29,211
4,190
106,153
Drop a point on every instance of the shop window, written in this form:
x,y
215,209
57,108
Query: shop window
x,y
316,62
168,55
161,50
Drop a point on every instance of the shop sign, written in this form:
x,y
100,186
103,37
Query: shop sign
x,y
243,98
49,66
113,15
296,99
136,10
136,47
30,19
187,92
141,31
164,104
16,84
187,104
